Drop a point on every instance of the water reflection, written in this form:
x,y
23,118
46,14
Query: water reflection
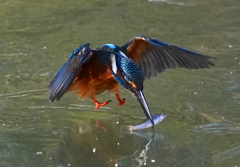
x,y
104,143
37,36
107,143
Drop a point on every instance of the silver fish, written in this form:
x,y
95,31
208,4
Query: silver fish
x,y
146,124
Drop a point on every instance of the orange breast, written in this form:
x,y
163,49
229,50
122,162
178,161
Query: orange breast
x,y
94,79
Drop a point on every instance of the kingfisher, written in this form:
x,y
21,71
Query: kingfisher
x,y
90,72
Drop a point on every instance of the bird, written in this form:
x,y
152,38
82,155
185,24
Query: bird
x,y
90,72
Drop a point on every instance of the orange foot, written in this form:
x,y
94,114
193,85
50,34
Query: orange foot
x,y
120,101
98,104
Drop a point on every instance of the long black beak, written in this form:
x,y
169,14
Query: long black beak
x,y
141,98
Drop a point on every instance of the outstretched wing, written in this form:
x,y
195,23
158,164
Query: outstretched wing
x,y
68,72
154,56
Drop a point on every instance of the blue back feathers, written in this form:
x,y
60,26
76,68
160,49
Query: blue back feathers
x,y
107,47
112,46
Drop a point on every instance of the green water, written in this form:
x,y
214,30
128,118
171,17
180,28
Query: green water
x,y
202,127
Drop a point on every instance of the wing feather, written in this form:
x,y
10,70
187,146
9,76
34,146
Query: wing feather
x,y
68,72
154,56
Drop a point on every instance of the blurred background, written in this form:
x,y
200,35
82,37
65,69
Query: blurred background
x,y
202,106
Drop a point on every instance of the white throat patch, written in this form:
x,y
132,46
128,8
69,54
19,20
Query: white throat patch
x,y
113,61
122,53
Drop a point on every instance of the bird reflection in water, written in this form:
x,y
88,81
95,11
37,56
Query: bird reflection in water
x,y
105,143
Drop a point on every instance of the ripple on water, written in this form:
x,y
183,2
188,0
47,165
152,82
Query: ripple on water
x,y
172,2
217,127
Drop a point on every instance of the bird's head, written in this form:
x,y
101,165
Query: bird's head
x,y
128,74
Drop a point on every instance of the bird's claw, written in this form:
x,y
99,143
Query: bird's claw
x,y
121,101
98,104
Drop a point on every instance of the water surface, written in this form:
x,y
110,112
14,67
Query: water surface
x,y
202,126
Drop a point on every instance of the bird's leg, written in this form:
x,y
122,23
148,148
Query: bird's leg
x,y
121,101
98,125
98,104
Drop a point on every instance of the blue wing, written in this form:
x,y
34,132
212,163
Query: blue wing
x,y
68,72
154,56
